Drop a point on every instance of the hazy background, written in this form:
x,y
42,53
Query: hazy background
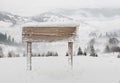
x,y
33,7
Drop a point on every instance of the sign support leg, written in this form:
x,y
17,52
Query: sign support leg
x,y
70,53
29,54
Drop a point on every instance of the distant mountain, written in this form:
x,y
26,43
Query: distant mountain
x,y
62,15
11,18
91,12
50,16
44,17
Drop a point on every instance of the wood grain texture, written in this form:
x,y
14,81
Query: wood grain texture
x,y
47,33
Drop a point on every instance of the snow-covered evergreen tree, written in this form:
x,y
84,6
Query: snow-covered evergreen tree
x,y
1,52
92,53
79,51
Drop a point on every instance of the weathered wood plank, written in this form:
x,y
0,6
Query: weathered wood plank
x,y
47,33
45,38
49,30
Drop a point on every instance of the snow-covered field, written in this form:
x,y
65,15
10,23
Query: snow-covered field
x,y
86,69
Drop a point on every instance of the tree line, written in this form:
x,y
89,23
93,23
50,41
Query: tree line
x,y
6,39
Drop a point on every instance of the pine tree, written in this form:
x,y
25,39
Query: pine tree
x,y
39,55
56,54
5,36
66,54
92,53
1,52
79,51
9,38
107,49
84,53
118,55
12,40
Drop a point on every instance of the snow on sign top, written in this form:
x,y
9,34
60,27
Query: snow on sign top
x,y
52,24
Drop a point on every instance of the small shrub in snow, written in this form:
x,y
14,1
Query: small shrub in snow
x,y
56,54
118,55
85,54
49,54
11,54
39,55
66,54
43,55
17,55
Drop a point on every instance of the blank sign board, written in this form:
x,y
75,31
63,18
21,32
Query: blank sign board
x,y
47,33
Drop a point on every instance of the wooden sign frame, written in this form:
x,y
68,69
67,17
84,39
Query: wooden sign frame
x,y
47,34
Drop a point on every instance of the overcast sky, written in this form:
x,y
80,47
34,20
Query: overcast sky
x,y
32,7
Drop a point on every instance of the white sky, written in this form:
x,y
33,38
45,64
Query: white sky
x,y
32,7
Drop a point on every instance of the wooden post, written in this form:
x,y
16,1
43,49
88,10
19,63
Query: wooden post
x,y
29,54
70,53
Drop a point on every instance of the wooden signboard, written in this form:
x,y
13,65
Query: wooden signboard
x,y
47,33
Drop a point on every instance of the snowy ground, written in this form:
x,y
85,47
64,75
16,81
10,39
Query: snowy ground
x,y
56,69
